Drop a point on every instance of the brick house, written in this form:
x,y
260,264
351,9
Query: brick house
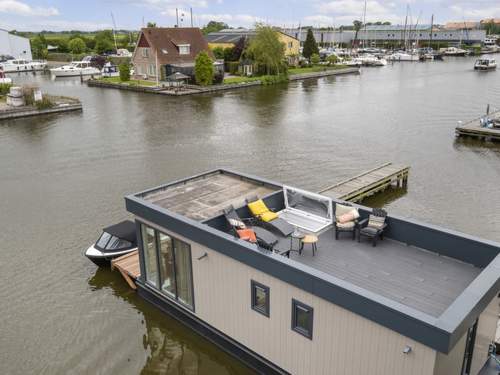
x,y
165,51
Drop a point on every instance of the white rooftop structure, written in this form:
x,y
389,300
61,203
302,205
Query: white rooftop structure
x,y
14,45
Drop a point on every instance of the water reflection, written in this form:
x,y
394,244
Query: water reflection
x,y
169,346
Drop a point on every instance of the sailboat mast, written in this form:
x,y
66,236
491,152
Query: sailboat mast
x,y
114,34
406,23
364,25
432,26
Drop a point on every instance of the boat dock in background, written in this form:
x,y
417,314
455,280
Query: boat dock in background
x,y
356,188
474,129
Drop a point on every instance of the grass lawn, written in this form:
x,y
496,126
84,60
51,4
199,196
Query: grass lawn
x,y
240,79
132,82
313,69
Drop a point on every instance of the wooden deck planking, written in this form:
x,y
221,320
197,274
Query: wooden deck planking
x,y
474,129
368,183
129,267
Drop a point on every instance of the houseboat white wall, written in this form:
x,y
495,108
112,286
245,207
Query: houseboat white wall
x,y
342,341
14,45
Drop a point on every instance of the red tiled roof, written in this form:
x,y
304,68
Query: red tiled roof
x,y
167,39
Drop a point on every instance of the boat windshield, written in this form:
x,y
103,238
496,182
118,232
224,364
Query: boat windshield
x,y
109,242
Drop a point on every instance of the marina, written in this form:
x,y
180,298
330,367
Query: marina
x,y
302,134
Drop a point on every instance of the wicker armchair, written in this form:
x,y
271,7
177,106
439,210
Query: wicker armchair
x,y
373,227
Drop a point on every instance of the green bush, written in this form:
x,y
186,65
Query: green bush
x,y
232,66
273,79
5,88
218,52
45,103
203,69
315,58
124,69
332,59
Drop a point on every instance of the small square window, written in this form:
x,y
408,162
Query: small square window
x,y
260,298
302,318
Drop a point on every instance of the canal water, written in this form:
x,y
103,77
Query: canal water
x,y
63,178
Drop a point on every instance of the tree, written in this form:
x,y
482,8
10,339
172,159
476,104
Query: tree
x,y
238,49
124,69
228,54
218,52
151,24
357,26
203,69
214,26
39,47
310,45
315,58
77,46
267,50
104,41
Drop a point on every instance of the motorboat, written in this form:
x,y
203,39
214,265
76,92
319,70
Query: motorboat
x,y
353,62
110,70
485,64
76,68
454,51
21,65
371,60
4,79
115,241
402,56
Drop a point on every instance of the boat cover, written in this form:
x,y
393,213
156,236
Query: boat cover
x,y
124,230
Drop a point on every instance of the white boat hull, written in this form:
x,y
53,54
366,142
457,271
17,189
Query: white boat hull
x,y
57,72
100,258
30,67
5,81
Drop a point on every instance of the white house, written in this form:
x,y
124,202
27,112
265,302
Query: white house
x,y
14,45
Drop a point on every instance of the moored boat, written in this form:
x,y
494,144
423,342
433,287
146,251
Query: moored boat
x,y
76,68
402,56
21,65
110,70
454,51
115,240
485,64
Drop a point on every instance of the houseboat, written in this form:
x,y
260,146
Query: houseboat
x,y
485,64
257,268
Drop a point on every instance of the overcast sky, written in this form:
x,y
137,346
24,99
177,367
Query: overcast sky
x,y
38,15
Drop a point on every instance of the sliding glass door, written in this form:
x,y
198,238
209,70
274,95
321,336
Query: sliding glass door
x,y
172,258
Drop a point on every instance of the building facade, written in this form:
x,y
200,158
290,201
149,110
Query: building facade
x,y
161,52
14,45
228,39
280,316
393,34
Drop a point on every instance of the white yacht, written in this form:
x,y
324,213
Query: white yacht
x,y
110,70
76,68
454,51
402,56
21,65
485,64
371,60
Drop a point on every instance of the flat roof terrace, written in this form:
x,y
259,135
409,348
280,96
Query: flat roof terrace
x,y
204,196
409,275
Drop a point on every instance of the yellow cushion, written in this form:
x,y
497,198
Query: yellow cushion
x,y
268,216
258,207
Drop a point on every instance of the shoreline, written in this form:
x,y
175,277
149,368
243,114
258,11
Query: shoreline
x,y
194,90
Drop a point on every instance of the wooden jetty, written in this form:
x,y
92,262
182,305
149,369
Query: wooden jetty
x,y
474,129
128,265
368,183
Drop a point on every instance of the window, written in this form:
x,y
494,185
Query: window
x,y
103,240
184,49
173,257
302,318
151,70
260,298
290,45
145,52
150,259
167,265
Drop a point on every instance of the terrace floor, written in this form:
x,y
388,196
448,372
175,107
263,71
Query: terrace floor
x,y
411,276
204,197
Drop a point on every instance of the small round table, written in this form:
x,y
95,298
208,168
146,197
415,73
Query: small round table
x,y
297,235
309,239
